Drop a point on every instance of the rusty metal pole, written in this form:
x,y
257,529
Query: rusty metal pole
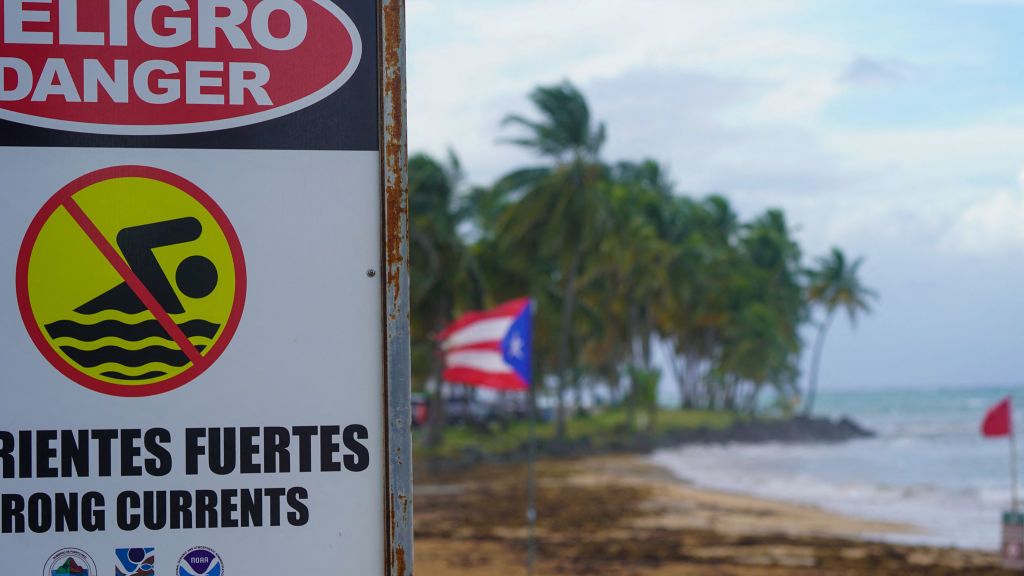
x,y
397,369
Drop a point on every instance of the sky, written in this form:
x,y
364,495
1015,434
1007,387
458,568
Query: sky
x,y
894,130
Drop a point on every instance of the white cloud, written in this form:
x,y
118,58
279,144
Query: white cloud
x,y
475,61
991,227
729,94
795,99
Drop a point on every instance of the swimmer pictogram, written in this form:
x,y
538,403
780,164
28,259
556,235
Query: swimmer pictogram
x,y
131,281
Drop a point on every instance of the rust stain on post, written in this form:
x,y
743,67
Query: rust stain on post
x,y
395,150
400,560
395,212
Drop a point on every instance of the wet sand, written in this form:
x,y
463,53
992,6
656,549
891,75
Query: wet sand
x,y
620,516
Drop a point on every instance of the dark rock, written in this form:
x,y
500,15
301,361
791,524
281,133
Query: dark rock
x,y
799,430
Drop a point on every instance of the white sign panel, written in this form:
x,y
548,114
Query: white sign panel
x,y
190,329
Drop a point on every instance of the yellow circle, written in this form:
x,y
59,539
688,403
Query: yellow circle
x,y
104,241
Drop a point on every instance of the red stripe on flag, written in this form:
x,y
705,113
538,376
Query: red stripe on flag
x,y
470,377
506,310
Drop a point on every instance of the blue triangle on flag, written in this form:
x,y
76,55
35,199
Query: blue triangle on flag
x,y
517,346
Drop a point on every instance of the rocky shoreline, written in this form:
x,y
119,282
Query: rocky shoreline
x,y
796,430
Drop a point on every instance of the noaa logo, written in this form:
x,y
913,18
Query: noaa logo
x,y
70,562
200,561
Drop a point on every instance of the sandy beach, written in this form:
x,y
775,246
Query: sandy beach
x,y
621,516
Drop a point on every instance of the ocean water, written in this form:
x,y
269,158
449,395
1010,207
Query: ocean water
x,y
929,468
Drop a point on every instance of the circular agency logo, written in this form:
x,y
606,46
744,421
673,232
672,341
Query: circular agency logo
x,y
200,561
70,562
131,281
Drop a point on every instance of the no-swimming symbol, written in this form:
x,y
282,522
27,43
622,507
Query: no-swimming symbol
x,y
131,281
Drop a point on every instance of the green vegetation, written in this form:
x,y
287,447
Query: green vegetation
x,y
624,268
600,430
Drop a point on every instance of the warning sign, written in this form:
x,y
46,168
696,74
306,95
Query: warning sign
x,y
203,287
131,281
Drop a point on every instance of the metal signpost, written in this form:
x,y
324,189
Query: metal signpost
x,y
204,343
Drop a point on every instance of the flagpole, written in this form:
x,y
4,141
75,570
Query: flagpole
x,y
531,463
1013,468
531,489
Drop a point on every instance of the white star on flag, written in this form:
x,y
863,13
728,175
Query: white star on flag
x,y
515,346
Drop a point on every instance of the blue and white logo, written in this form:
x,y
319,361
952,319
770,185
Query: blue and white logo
x,y
134,561
200,561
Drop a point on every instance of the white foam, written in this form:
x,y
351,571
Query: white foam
x,y
851,479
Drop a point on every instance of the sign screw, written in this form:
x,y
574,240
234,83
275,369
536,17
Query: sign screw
x,y
371,273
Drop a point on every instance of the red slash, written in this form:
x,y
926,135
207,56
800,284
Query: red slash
x,y
143,293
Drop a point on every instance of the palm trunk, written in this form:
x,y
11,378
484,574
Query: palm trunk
x,y
730,389
635,359
753,395
631,405
819,345
646,348
568,308
678,372
436,413
698,399
652,420
711,388
437,418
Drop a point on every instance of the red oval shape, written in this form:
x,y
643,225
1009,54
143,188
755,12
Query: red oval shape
x,y
170,66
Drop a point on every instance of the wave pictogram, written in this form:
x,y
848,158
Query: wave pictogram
x,y
122,347
130,358
128,332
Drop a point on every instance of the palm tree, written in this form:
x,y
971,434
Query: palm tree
x,y
764,309
554,208
835,284
704,234
625,287
445,274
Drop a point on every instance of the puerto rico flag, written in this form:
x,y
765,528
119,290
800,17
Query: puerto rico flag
x,y
490,349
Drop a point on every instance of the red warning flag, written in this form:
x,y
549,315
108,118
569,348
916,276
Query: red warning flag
x,y
999,420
